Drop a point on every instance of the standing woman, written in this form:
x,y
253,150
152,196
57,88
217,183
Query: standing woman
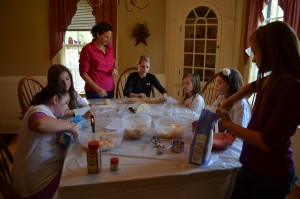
x,y
39,157
97,64
268,169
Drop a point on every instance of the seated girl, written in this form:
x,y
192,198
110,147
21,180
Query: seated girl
x,y
228,82
59,74
192,94
139,84
39,158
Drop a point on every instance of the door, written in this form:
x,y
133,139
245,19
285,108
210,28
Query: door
x,y
200,43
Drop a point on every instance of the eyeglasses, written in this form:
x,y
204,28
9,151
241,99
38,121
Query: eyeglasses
x,y
226,71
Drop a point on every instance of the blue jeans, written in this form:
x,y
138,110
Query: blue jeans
x,y
252,186
95,95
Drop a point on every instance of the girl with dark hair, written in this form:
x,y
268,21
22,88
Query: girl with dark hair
x,y
228,82
268,169
192,94
39,158
59,74
97,63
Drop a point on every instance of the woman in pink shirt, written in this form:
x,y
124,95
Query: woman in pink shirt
x,y
97,64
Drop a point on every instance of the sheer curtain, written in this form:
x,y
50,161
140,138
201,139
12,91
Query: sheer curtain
x,y
60,17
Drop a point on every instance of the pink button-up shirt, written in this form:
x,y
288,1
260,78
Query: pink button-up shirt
x,y
97,65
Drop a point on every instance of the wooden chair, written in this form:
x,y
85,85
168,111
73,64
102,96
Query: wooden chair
x,y
28,87
208,92
6,160
122,81
6,163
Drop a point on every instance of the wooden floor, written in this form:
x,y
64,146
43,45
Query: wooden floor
x,y
12,139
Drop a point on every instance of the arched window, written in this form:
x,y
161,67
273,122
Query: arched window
x,y
200,42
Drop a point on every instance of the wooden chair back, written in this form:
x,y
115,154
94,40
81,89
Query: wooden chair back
x,y
208,92
27,88
122,81
6,160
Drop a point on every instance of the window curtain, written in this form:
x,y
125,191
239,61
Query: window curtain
x,y
60,17
291,9
107,12
254,17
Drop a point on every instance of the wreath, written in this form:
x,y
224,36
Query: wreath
x,y
140,33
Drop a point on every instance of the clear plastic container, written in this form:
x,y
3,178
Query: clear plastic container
x,y
136,125
170,127
108,131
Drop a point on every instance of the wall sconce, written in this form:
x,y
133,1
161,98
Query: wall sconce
x,y
130,4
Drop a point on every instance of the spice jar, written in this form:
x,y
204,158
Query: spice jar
x,y
114,163
94,157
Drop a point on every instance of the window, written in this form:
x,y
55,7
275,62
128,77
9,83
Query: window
x,y
272,12
77,35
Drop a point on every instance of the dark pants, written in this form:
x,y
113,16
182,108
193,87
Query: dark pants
x,y
95,95
252,186
49,191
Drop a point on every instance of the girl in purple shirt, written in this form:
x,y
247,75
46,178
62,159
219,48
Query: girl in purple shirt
x,y
267,157
97,64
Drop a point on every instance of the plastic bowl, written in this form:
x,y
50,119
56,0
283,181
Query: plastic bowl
x,y
108,131
136,125
170,127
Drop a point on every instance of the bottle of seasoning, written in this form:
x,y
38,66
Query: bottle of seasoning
x,y
114,163
94,157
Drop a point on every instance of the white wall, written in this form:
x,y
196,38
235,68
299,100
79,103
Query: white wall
x,y
9,103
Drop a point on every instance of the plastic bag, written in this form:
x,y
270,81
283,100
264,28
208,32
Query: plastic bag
x,y
201,146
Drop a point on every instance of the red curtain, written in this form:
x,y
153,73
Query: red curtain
x,y
254,17
60,16
291,9
107,12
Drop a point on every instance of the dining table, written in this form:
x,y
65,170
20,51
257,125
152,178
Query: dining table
x,y
142,172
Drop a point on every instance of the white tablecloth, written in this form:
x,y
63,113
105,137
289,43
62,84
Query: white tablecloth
x,y
144,174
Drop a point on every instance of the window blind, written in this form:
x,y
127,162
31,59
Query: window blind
x,y
83,19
